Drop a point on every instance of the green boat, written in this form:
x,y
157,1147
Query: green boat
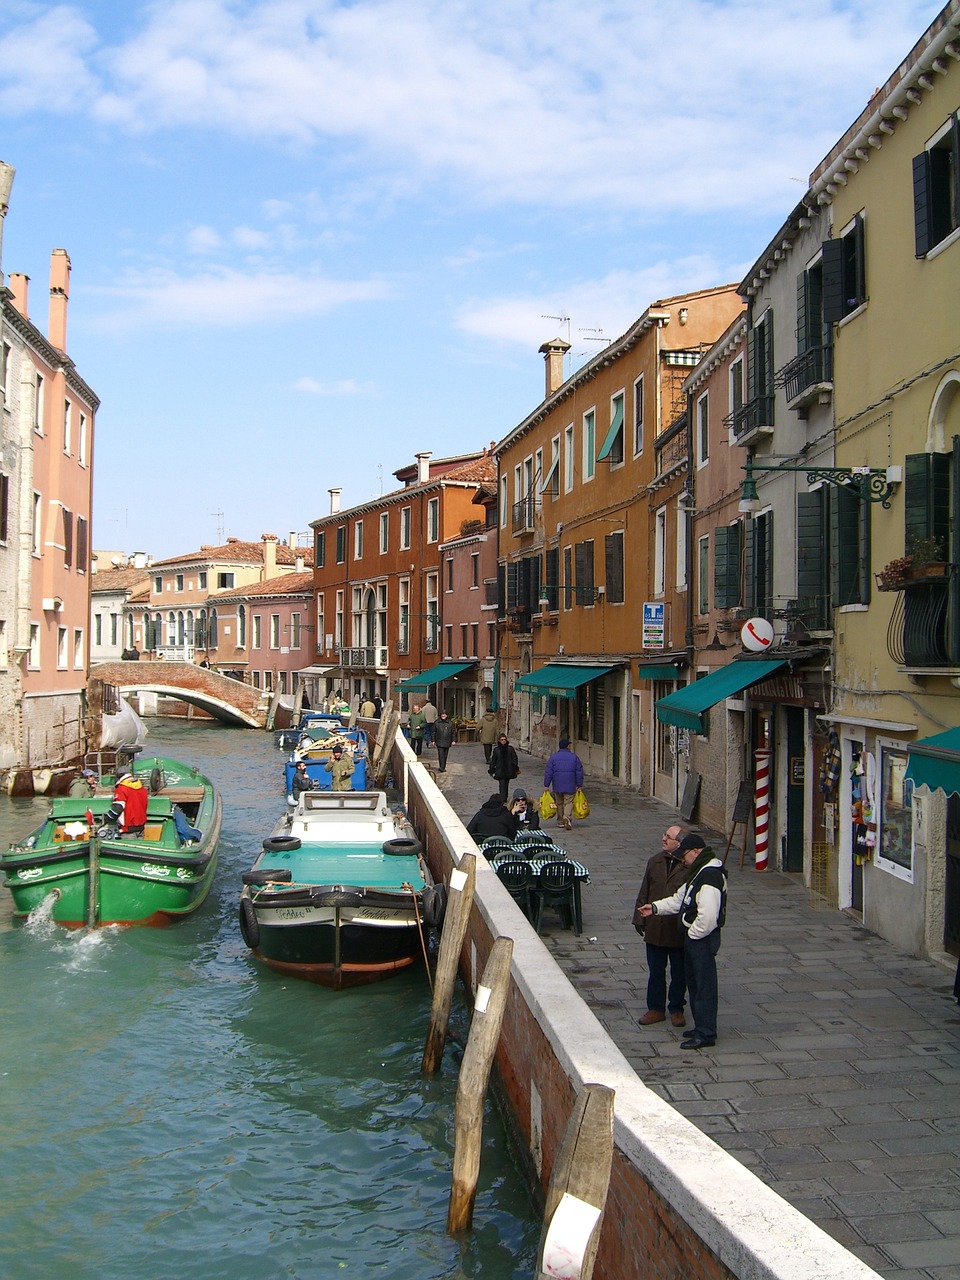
x,y
86,873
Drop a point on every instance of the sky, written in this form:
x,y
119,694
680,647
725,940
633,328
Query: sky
x,y
310,238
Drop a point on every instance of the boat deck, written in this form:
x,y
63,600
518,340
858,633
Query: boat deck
x,y
358,864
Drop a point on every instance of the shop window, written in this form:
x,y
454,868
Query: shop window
x,y
895,827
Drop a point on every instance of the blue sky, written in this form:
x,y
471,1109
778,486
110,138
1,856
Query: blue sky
x,y
310,238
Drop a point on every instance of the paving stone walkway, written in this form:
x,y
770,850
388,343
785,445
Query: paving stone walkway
x,y
836,1075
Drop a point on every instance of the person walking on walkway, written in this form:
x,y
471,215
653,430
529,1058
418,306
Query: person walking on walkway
x,y
488,732
663,876
415,726
701,905
504,765
563,775
430,717
444,736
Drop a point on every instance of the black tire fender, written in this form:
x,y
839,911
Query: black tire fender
x,y
156,780
267,875
281,844
434,905
249,926
405,845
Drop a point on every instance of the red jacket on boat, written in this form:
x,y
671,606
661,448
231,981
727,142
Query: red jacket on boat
x,y
132,794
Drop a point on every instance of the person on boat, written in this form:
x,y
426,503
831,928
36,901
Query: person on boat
x,y
416,725
84,784
493,818
340,766
129,806
301,781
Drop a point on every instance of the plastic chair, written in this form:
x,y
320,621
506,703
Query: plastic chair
x,y
491,844
517,878
556,888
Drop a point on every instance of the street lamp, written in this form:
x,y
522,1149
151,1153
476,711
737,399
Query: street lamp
x,y
870,484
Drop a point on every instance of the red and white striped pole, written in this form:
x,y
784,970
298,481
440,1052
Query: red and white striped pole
x,y
761,807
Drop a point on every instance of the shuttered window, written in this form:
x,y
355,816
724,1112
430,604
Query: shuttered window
x,y
758,563
726,566
583,561
926,501
613,563
849,548
936,188
812,565
844,273
551,585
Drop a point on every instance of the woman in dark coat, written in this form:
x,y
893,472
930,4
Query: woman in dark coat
x,y
504,765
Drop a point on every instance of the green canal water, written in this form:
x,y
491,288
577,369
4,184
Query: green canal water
x,y
169,1110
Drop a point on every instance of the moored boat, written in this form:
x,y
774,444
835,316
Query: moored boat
x,y
315,747
99,875
340,894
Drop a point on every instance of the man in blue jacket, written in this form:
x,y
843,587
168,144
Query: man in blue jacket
x,y
563,775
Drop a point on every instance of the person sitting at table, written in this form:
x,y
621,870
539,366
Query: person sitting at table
x,y
526,813
493,818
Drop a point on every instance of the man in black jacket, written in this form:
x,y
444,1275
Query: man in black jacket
x,y
444,736
493,818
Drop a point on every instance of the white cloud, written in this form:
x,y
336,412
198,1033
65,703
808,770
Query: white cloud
x,y
43,61
226,298
345,387
203,240
617,105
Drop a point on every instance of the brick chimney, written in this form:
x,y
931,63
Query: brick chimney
x,y
269,557
423,467
553,353
20,288
59,298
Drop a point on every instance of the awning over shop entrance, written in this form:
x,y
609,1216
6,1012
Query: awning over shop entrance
x,y
686,706
433,675
559,679
935,762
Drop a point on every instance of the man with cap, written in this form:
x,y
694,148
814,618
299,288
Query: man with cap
x,y
701,905
129,806
525,813
665,873
340,766
84,784
563,775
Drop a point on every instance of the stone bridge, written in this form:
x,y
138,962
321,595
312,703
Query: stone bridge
x,y
227,700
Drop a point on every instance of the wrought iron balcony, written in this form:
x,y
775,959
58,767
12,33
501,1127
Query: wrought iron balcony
x,y
923,630
359,656
811,368
523,514
755,415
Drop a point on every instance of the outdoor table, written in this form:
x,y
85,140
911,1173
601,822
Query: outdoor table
x,y
538,858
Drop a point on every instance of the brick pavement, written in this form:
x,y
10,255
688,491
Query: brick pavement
x,y
835,1076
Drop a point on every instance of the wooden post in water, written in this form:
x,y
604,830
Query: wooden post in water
x,y
472,1087
463,880
578,1188
93,879
386,734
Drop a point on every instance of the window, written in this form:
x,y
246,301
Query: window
x,y
82,441
758,563
268,681
448,640
759,374
736,387
551,584
257,629
67,539
433,520
895,827
5,350
568,577
256,679
34,659
681,547
384,531
179,581
589,444
226,581
568,459
319,549
242,627
474,639
158,585
583,568
4,505
202,580
813,561
612,448
4,651
703,574
551,482
936,188
475,571
660,552
503,502
844,272
613,563
37,532
78,649
849,548
450,574
404,528
214,629
702,430
98,628
727,574
338,620
83,544
491,639
114,628
433,612
274,631
321,625
638,417
358,540
38,404
67,425
61,648
341,544
295,631
403,618
464,634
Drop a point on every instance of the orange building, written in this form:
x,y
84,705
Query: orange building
x,y
377,576
593,553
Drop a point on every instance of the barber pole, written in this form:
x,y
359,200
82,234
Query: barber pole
x,y
761,808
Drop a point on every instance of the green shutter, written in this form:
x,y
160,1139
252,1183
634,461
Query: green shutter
x,y
703,601
845,565
751,364
749,565
810,557
803,310
926,499
613,563
726,566
832,259
553,577
921,203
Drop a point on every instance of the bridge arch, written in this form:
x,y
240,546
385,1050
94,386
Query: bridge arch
x,y
227,700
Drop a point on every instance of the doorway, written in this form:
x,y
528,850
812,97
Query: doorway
x,y
796,757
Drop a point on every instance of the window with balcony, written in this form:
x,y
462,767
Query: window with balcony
x,y
812,367
936,188
757,412
844,272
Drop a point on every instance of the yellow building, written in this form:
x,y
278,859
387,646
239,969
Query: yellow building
x,y
891,283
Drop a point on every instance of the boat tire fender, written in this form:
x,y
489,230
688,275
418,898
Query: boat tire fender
x,y
281,844
405,845
249,927
434,905
267,875
156,781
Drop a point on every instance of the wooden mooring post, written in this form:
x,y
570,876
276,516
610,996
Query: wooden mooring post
x,y
578,1188
463,880
482,1042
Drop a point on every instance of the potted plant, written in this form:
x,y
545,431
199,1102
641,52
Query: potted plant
x,y
893,575
928,560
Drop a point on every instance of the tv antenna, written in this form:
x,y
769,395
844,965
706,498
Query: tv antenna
x,y
219,515
562,319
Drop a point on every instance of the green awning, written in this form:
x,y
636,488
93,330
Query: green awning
x,y
433,675
552,477
935,762
616,426
653,671
560,679
685,707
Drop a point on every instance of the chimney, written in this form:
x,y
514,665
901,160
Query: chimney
x,y
299,564
423,467
293,543
59,297
553,353
139,559
20,288
334,500
269,557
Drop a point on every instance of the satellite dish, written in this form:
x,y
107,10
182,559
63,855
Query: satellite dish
x,y
116,561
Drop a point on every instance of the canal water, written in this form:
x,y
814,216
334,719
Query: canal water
x,y
169,1110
